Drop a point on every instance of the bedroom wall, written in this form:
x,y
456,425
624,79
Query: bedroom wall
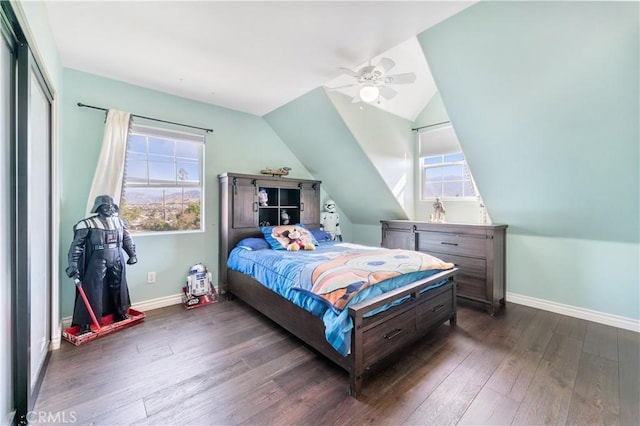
x,y
317,134
388,142
240,143
544,99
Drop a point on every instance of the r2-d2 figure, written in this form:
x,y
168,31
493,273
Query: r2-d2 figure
x,y
199,290
199,280
330,220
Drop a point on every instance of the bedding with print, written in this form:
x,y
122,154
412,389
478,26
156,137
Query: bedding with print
x,y
326,281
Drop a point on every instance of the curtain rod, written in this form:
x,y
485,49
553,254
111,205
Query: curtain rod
x,y
431,125
80,104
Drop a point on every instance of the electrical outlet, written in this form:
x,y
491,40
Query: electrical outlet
x,y
151,277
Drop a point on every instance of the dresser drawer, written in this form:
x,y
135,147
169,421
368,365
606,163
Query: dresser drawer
x,y
434,310
472,266
470,286
386,337
451,243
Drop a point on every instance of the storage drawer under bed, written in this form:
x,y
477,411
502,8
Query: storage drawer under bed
x,y
434,310
385,338
426,311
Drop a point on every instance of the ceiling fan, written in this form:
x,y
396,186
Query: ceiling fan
x,y
374,81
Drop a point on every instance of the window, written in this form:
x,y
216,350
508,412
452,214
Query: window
x,y
446,176
162,188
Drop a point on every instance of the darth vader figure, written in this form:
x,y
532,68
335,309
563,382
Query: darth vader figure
x,y
96,257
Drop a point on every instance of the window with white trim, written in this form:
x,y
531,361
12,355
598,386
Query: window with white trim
x,y
446,176
443,170
163,182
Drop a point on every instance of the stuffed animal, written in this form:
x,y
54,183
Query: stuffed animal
x,y
295,243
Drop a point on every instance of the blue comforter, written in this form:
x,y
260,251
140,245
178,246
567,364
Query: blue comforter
x,y
289,274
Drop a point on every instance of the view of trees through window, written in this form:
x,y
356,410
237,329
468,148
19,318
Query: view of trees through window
x,y
162,189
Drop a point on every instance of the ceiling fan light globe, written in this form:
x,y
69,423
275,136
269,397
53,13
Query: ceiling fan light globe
x,y
369,93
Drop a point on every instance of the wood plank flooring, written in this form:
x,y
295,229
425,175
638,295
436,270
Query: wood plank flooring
x,y
226,364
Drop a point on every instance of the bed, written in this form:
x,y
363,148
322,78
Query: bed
x,y
374,322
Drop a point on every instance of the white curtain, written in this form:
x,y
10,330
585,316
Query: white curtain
x,y
107,179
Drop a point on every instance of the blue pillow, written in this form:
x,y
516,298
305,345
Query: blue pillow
x,y
253,243
320,235
272,234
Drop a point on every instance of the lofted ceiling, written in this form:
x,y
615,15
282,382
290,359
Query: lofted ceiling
x,y
248,56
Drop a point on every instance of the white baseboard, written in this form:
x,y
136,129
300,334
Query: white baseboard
x,y
545,305
57,337
160,302
572,311
146,305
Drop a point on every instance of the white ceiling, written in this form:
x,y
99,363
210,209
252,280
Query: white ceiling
x,y
247,56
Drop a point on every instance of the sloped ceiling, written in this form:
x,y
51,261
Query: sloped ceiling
x,y
317,134
250,56
547,115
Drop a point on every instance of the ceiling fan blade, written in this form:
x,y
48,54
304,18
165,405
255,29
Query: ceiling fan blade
x,y
404,78
385,64
387,92
343,86
349,72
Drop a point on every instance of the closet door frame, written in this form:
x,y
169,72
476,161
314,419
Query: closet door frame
x,y
8,38
28,68
26,383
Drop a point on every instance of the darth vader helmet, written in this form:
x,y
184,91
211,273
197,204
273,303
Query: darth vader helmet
x,y
101,200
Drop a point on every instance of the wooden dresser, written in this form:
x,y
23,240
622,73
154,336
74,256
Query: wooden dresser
x,y
478,250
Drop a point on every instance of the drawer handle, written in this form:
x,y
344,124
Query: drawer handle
x,y
448,244
394,333
437,308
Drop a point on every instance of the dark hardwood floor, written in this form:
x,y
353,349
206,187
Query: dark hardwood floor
x,y
225,364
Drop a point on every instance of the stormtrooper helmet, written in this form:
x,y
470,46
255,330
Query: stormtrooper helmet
x,y
330,206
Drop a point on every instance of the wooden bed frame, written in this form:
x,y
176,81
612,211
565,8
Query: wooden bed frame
x,y
372,338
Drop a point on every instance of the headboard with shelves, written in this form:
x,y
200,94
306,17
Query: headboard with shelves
x,y
241,213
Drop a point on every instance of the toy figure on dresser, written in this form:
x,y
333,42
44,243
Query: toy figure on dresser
x,y
96,259
263,197
284,217
438,212
330,220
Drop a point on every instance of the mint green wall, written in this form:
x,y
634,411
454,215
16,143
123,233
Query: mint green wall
x,y
317,134
240,143
388,142
544,99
